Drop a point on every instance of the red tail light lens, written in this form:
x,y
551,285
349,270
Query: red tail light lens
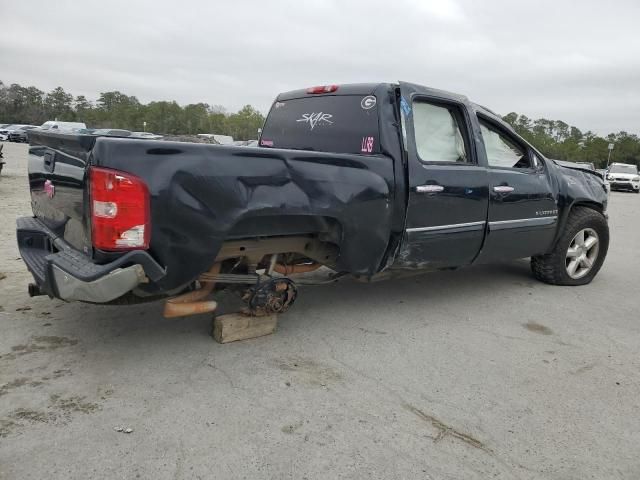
x,y
323,89
120,214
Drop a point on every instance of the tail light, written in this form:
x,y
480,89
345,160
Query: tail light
x,y
323,89
120,214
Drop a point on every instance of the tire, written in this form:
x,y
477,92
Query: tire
x,y
568,254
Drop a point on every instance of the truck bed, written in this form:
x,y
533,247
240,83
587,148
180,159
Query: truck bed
x,y
204,195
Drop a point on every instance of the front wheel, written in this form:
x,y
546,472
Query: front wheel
x,y
579,253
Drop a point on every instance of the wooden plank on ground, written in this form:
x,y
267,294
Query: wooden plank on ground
x,y
236,326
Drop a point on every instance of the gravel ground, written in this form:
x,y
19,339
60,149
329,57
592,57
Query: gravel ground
x,y
475,374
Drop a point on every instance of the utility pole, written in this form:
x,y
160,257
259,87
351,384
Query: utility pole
x,y
610,148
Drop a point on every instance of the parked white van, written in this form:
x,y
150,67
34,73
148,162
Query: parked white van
x,y
56,125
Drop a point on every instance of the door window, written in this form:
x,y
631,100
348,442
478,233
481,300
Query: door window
x,y
438,134
501,150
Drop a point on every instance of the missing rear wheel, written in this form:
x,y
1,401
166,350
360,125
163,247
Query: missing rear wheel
x,y
273,296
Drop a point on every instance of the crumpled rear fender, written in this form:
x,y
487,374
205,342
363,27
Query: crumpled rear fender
x,y
202,195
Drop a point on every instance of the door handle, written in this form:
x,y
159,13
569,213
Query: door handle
x,y
429,188
503,189
49,161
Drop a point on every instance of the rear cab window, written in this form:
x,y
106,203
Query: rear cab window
x,y
324,123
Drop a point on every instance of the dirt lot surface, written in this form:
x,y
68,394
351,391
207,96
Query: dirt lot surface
x,y
475,374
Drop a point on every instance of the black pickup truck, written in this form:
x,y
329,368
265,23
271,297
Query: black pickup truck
x,y
365,179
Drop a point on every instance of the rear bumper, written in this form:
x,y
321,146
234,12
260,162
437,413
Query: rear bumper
x,y
63,272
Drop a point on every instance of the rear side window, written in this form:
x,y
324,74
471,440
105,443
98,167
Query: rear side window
x,y
437,133
326,123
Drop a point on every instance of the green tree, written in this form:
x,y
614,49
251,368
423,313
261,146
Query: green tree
x,y
58,105
196,118
117,110
559,140
18,104
164,117
217,120
21,104
244,124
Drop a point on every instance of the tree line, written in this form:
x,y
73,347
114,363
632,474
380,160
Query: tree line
x,y
30,105
556,139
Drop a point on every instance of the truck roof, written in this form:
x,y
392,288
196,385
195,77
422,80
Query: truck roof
x,y
370,88
343,89
367,89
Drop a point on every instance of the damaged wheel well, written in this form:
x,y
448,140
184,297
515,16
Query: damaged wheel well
x,y
327,228
303,246
588,204
577,204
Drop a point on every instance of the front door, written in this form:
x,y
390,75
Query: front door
x,y
448,189
523,212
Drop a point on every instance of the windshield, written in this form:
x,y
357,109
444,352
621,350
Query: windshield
x,y
327,123
632,169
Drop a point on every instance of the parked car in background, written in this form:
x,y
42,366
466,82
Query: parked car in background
x,y
19,135
624,176
6,128
245,143
603,173
66,126
3,136
220,139
588,165
110,132
146,135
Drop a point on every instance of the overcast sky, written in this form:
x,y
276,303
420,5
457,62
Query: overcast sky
x,y
577,61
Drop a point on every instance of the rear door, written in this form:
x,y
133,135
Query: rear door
x,y
523,212
448,188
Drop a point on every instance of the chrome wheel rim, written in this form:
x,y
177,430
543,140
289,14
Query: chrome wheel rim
x,y
582,253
